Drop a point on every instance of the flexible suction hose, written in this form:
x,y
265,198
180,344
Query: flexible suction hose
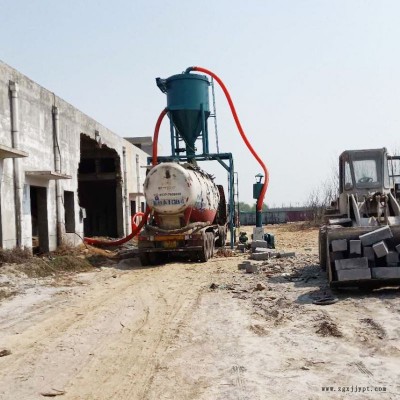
x,y
260,200
135,228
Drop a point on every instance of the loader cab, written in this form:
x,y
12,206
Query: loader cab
x,y
364,172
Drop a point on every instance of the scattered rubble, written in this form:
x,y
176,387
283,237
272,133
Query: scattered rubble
x,y
260,287
328,328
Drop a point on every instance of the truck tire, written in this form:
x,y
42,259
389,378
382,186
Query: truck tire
x,y
220,242
322,247
204,253
211,244
144,259
157,258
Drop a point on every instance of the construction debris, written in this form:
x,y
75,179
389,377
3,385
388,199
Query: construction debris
x,y
251,268
260,287
266,254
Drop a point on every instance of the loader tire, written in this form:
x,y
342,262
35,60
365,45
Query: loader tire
x,y
322,247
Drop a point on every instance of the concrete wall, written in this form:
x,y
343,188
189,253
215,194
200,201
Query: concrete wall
x,y
37,139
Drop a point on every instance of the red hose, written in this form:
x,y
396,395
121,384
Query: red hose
x,y
155,137
134,224
260,200
96,242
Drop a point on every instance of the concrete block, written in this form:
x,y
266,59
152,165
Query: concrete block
x,y
386,272
337,255
261,250
380,249
398,248
376,236
260,256
351,263
355,247
258,233
369,253
339,245
259,243
392,257
354,274
251,268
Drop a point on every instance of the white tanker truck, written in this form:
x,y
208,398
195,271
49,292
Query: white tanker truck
x,y
188,214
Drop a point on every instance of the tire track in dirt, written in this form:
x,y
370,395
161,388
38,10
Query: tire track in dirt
x,y
128,370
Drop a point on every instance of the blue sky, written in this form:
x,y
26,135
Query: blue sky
x,y
309,78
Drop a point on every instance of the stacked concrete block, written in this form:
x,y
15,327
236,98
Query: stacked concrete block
x,y
369,253
337,255
354,274
378,260
352,269
259,244
392,258
355,247
339,245
380,249
351,263
376,236
386,272
261,250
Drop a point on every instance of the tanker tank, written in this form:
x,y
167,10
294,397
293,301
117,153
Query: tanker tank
x,y
180,194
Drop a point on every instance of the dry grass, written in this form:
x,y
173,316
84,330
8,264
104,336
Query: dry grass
x,y
65,259
15,256
42,267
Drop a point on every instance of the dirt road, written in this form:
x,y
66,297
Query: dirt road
x,y
124,332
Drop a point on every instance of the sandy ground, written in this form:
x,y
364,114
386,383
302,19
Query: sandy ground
x,y
126,332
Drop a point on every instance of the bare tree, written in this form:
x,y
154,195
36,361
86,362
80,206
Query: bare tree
x,y
322,196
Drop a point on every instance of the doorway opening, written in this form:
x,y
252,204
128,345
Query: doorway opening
x,y
100,189
39,218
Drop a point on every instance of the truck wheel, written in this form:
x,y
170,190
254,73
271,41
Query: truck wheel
x,y
156,258
220,242
322,247
144,259
211,244
204,253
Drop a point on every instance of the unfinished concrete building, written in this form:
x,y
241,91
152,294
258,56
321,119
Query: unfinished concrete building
x,y
63,175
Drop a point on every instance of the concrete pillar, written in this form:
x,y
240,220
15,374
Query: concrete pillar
x,y
18,185
126,197
57,167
